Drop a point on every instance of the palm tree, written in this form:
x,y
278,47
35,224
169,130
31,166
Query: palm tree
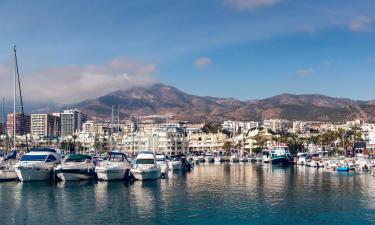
x,y
227,146
74,136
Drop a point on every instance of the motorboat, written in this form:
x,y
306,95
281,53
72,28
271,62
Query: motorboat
x,y
343,168
7,171
266,157
208,157
302,158
162,162
174,163
37,165
234,158
332,164
218,159
115,166
280,155
201,158
251,158
76,167
243,159
145,167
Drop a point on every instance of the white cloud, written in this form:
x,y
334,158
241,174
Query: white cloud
x,y
251,4
361,24
76,83
304,72
202,62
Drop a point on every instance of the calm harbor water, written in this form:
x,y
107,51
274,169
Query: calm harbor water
x,y
211,194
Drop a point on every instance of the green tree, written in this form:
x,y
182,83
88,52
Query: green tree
x,y
227,147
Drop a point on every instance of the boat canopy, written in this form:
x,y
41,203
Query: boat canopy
x,y
42,150
78,158
145,161
34,157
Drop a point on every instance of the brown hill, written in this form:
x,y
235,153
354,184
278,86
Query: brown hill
x,y
162,99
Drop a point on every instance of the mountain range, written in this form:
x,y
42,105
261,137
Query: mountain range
x,y
160,99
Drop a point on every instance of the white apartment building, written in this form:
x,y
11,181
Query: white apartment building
x,y
236,126
206,142
276,125
44,125
301,127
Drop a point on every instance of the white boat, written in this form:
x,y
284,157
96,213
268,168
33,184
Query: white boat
x,y
195,159
243,159
115,166
208,157
200,158
266,159
218,159
251,158
76,167
332,164
162,162
301,158
37,165
174,164
258,159
7,171
234,158
145,167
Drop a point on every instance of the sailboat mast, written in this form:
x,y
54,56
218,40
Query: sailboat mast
x,y
14,97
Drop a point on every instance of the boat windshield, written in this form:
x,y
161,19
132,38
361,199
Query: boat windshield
x,y
34,158
145,161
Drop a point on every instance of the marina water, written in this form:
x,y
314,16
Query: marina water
x,y
210,194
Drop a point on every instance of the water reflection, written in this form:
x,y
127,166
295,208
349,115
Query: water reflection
x,y
210,194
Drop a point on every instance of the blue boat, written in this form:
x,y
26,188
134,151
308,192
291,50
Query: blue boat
x,y
280,155
342,169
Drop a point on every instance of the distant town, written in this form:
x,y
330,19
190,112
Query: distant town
x,y
72,131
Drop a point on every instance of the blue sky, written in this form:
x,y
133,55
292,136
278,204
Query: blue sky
x,y
247,49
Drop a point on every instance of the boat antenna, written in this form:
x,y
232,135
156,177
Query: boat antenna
x,y
20,92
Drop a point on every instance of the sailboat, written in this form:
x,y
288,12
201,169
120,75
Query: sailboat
x,y
7,171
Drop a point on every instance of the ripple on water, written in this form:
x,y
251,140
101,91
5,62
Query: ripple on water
x,y
211,194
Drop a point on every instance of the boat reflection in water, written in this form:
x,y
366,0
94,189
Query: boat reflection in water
x,y
243,194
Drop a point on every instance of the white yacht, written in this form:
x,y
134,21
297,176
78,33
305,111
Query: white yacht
x,y
37,165
7,171
76,167
218,159
266,158
145,167
208,157
162,163
243,159
234,158
174,164
114,167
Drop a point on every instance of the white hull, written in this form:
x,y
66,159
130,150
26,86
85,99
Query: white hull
x,y
209,159
174,165
73,176
8,174
218,159
34,173
146,174
105,174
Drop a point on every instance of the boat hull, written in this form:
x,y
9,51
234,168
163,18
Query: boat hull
x,y
8,175
140,174
281,161
27,174
75,175
174,165
111,174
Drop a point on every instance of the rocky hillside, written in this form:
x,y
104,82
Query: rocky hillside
x,y
161,99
